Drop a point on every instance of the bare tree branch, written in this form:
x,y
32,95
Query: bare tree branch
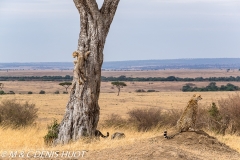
x,y
93,6
108,11
89,6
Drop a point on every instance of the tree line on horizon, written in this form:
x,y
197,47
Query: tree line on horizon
x,y
121,78
210,87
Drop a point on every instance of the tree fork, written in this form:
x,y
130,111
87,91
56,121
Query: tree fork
x,y
82,111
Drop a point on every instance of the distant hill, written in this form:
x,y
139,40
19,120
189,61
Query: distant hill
x,y
199,63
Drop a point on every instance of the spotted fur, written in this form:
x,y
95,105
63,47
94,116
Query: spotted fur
x,y
188,118
99,134
118,135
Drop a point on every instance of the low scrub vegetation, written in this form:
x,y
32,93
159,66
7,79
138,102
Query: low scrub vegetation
x,y
56,92
169,78
145,119
151,90
229,111
52,133
221,118
11,92
15,114
142,119
211,87
2,92
140,90
42,92
115,120
122,78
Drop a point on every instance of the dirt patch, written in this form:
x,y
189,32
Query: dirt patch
x,y
187,146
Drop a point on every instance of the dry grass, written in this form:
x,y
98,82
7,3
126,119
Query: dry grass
x,y
32,139
232,141
24,87
28,139
53,106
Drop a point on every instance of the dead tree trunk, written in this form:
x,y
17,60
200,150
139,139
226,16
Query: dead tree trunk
x,y
82,111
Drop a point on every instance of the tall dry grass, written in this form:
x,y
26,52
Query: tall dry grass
x,y
31,138
27,139
52,106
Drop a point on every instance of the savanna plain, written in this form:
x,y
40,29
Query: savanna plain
x,y
136,145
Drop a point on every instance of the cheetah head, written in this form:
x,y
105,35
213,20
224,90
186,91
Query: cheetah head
x,y
75,54
197,97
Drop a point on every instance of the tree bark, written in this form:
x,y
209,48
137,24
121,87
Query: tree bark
x,y
82,111
118,87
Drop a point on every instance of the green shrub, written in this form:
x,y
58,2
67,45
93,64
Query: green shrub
x,y
65,92
211,87
214,111
30,92
42,92
2,92
15,114
52,133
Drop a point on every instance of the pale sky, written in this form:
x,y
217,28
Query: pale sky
x,y
47,30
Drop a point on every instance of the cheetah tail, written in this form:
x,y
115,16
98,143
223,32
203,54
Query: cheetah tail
x,y
166,136
105,136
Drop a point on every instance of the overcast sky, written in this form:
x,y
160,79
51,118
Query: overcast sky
x,y
47,30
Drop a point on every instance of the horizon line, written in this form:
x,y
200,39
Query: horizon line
x,y
128,60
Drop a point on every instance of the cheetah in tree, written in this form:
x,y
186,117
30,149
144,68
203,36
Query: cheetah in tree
x,y
80,65
188,117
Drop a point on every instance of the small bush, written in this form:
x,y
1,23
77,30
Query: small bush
x,y
151,90
145,118
15,114
52,133
42,92
11,92
2,92
57,92
170,117
229,109
116,121
64,92
140,90
30,92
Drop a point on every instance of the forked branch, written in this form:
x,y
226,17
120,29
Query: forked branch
x,y
108,11
93,7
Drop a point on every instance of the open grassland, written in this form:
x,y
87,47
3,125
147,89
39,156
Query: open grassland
x,y
49,87
191,73
52,106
